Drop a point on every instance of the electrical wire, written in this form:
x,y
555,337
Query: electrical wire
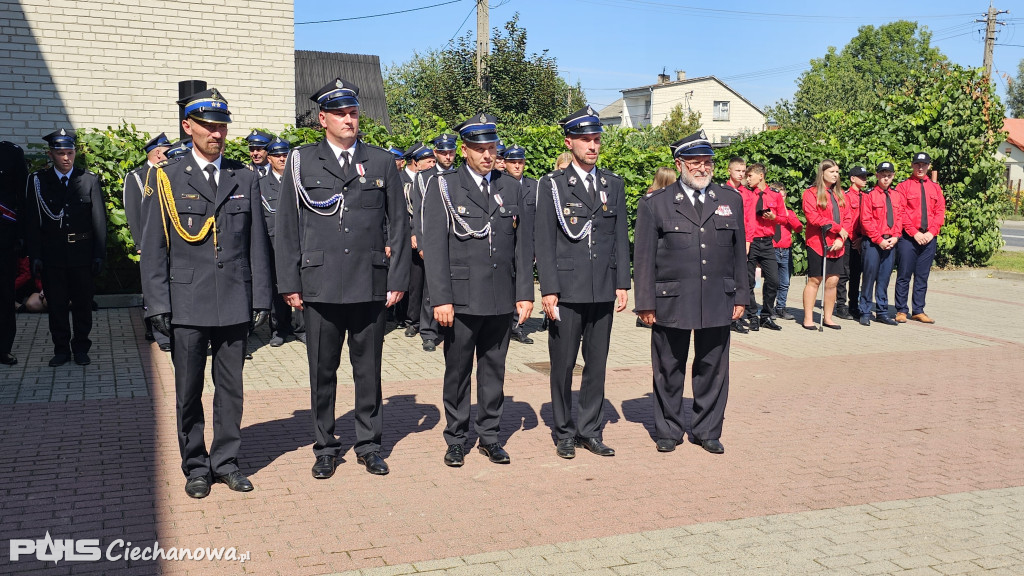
x,y
379,15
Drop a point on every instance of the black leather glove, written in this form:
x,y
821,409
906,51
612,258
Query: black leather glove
x,y
162,324
97,266
37,268
259,317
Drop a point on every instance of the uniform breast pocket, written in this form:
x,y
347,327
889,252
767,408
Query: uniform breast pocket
x,y
319,188
193,207
509,218
608,220
371,197
238,206
725,230
678,233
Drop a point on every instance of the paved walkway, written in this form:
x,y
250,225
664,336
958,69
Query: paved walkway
x,y
865,451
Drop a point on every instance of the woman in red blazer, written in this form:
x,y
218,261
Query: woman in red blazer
x,y
829,222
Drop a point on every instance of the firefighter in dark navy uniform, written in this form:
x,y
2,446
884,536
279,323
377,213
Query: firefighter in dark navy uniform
x,y
139,185
479,262
583,265
206,280
419,165
66,230
690,274
343,206
258,141
515,164
13,173
270,197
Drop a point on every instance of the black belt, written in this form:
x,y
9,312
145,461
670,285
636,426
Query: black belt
x,y
768,237
78,237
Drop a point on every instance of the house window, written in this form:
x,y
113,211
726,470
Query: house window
x,y
721,112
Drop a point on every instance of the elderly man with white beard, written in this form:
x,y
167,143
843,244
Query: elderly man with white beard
x,y
689,273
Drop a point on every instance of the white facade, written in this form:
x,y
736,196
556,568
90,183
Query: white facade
x,y
724,114
93,64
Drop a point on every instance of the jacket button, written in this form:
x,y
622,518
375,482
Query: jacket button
x,y
703,261
219,248
494,266
220,264
663,292
346,229
346,208
345,188
677,227
703,277
701,229
703,246
307,260
346,250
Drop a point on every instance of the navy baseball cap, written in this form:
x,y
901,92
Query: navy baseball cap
x,y
921,157
885,167
859,171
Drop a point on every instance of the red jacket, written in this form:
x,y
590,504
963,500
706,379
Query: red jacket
x,y
788,223
909,192
757,226
817,218
853,199
872,214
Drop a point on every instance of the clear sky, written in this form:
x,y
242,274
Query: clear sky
x,y
758,48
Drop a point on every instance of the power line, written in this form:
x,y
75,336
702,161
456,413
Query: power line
x,y
472,9
378,15
744,14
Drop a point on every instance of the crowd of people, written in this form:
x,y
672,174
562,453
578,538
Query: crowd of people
x,y
326,240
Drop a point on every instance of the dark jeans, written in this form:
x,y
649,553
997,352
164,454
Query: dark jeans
x,y
784,256
914,260
762,254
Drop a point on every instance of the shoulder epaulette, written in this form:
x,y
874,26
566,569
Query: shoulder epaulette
x,y
654,192
374,147
233,164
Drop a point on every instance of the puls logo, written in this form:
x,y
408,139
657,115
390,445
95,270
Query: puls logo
x,y
49,550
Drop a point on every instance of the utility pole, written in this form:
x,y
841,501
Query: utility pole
x,y
483,38
990,36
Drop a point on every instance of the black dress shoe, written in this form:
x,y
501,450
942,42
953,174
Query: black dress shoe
x,y
59,360
833,326
844,313
784,314
248,354
455,456
865,320
713,446
198,487
324,467
236,481
276,342
753,325
8,359
429,346
666,444
522,338
737,326
411,331
374,463
82,359
885,320
301,337
566,448
165,347
770,324
149,335
594,445
495,453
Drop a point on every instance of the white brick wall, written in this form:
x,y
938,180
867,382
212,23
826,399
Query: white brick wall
x,y
92,64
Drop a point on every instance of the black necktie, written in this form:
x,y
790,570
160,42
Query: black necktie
x,y
64,181
344,161
697,203
484,188
590,187
760,203
924,208
836,217
888,209
211,170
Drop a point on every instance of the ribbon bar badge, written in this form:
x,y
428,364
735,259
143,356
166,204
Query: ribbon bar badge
x,y
724,210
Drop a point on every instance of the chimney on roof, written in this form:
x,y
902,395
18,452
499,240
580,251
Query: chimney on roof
x,y
662,78
680,75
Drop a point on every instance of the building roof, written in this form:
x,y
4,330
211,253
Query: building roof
x,y
1015,128
314,69
698,79
613,110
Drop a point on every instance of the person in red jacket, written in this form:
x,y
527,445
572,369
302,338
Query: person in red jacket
x,y
760,210
924,208
848,290
782,239
881,220
829,222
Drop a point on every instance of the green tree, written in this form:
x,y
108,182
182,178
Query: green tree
x,y
519,87
679,123
1015,93
875,63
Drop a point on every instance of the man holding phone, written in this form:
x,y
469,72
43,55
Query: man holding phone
x,y
761,206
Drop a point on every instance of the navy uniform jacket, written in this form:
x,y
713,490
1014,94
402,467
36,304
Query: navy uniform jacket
x,y
479,278
419,187
530,196
270,192
13,173
582,271
690,270
339,259
134,185
197,283
81,236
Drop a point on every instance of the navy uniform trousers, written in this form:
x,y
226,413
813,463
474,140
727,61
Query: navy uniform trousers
x,y
912,260
326,328
709,376
486,339
591,324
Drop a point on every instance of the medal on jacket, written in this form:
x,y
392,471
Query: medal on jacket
x,y
501,203
189,221
604,198
362,173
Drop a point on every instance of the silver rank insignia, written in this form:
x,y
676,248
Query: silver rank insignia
x,y
679,196
572,180
379,183
188,168
566,211
712,194
462,209
603,181
362,180
501,209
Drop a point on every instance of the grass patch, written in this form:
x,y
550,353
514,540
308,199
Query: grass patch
x,y
1007,261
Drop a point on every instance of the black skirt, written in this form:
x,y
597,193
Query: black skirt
x,y
833,266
